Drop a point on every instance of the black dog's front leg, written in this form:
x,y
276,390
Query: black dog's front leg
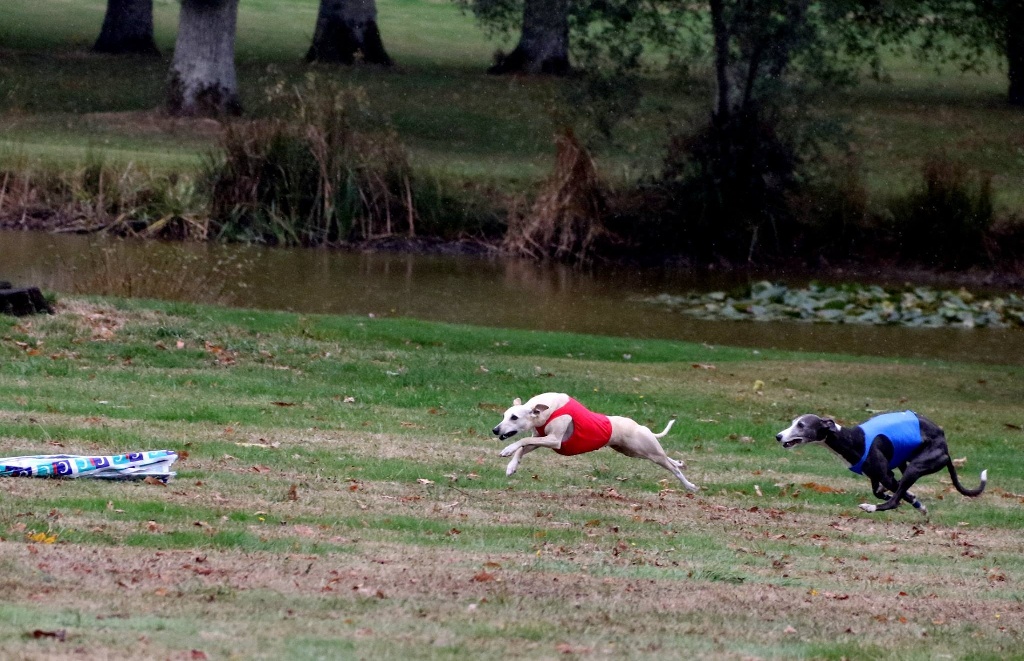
x,y
876,488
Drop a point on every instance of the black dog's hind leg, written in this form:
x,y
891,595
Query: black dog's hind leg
x,y
892,485
901,491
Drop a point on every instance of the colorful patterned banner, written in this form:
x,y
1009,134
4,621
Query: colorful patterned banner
x,y
130,466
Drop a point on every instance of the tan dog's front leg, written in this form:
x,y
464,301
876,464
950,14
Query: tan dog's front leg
x,y
534,441
513,465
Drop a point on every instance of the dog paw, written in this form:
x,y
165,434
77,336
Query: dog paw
x,y
510,470
868,507
509,451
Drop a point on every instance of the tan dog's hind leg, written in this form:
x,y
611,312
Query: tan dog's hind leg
x,y
635,440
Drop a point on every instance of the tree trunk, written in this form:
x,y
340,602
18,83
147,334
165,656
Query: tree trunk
x,y
345,29
127,28
544,43
725,86
1015,50
202,78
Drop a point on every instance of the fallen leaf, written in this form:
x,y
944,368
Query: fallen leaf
x,y
42,537
283,403
293,492
59,634
822,488
424,480
959,463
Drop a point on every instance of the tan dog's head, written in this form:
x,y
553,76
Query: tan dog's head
x,y
517,418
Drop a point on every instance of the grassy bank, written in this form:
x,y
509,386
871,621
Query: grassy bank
x,y
59,103
340,496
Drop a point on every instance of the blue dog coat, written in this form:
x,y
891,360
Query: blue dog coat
x,y
902,429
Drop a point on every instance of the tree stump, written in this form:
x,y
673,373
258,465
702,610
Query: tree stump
x,y
20,301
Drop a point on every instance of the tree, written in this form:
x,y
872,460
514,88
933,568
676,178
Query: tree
x,y
1015,50
593,33
344,29
729,185
544,42
966,33
127,28
202,78
983,27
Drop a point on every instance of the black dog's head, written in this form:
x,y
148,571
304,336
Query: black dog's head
x,y
807,429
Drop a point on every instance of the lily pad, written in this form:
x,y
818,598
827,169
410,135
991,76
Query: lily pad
x,y
917,307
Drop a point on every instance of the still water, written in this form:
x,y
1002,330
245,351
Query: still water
x,y
458,289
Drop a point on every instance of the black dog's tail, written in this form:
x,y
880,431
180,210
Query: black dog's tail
x,y
960,487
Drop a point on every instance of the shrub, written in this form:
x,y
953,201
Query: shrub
x,y
312,179
831,212
724,192
946,221
98,196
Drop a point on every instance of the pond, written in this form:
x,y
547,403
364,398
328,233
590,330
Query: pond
x,y
459,289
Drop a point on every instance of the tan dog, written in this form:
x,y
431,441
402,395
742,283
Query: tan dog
x,y
562,424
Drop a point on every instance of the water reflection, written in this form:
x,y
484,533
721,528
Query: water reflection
x,y
492,292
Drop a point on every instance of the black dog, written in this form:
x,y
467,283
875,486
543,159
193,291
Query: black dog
x,y
910,442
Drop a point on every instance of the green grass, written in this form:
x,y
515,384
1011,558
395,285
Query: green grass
x,y
340,495
59,103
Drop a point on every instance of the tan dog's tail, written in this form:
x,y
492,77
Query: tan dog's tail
x,y
667,427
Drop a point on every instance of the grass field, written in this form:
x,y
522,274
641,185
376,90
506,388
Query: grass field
x,y
59,103
339,496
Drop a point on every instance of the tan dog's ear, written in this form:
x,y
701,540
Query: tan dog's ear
x,y
517,402
540,408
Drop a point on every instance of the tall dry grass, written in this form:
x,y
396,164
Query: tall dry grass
x,y
97,196
565,222
314,178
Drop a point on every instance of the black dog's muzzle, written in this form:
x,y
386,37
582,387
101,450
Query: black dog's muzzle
x,y
790,443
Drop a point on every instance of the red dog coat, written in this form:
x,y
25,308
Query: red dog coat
x,y
590,431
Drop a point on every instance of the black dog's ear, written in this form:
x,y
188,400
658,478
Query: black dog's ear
x,y
540,408
830,425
